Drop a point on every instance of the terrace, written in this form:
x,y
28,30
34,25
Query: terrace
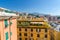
x,y
31,24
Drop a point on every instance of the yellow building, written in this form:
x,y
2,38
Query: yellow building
x,y
58,38
55,31
53,34
32,28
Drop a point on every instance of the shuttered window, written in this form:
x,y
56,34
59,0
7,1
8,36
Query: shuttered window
x,y
10,23
6,23
6,35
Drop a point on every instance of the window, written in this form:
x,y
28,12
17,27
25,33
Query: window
x,y
20,38
25,29
53,18
25,38
58,17
49,19
45,30
38,35
6,34
6,22
31,39
36,24
31,30
20,34
19,29
38,30
31,35
25,34
10,23
46,36
59,29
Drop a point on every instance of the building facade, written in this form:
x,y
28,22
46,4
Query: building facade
x,y
33,29
53,18
8,25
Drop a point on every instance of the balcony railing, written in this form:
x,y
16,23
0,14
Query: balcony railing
x,y
28,24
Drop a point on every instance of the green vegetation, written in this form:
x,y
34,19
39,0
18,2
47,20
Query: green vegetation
x,y
28,24
23,23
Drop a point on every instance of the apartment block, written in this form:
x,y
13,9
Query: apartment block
x,y
33,29
8,25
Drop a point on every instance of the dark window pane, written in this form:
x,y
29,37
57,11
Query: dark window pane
x,y
25,38
20,38
19,29
25,29
20,34
59,29
6,22
31,35
31,30
25,34
46,36
45,30
38,35
30,39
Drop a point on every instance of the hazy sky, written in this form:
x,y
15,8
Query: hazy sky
x,y
42,6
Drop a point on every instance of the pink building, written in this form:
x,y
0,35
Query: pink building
x,y
8,25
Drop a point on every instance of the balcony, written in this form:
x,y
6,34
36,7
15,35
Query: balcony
x,y
29,24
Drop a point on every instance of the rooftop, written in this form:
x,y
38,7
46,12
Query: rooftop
x,y
6,13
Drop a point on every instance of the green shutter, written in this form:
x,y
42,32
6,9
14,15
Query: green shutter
x,y
6,35
10,23
10,33
6,22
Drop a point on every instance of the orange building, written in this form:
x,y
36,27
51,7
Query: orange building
x,y
8,25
